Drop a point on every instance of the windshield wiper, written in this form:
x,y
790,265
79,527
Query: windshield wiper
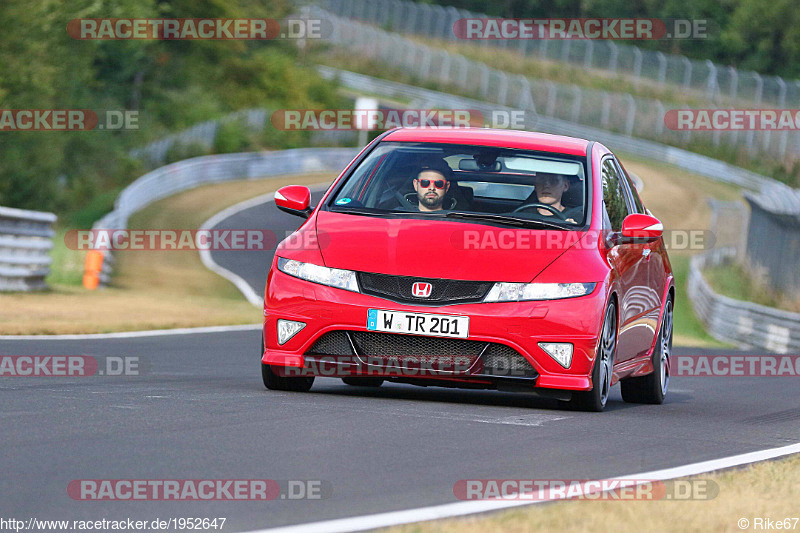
x,y
503,219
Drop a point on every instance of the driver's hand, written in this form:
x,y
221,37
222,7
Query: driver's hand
x,y
570,220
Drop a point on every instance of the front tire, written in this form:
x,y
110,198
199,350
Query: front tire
x,y
595,400
273,381
652,388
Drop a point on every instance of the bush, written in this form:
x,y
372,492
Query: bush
x,y
180,151
233,136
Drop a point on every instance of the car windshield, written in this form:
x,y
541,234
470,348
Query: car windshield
x,y
478,183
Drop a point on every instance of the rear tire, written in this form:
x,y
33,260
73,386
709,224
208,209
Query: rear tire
x,y
652,388
595,400
363,382
273,381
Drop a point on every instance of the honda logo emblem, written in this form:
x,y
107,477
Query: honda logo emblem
x,y
421,289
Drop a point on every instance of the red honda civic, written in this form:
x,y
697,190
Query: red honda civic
x,y
474,258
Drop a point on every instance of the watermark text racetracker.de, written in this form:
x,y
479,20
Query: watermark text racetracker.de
x,y
189,239
732,119
580,28
198,489
729,365
67,120
191,29
384,119
525,239
71,365
615,489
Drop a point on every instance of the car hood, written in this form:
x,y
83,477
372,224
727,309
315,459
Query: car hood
x,y
438,249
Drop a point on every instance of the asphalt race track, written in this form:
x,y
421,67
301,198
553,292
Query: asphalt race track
x,y
199,411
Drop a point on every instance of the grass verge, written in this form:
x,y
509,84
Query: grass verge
x,y
768,490
151,290
738,282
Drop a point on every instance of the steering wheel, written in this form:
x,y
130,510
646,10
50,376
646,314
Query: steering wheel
x,y
405,201
537,205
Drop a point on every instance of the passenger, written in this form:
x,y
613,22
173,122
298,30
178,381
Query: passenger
x,y
548,190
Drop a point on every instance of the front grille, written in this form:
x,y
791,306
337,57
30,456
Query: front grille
x,y
443,291
332,343
393,344
502,360
393,349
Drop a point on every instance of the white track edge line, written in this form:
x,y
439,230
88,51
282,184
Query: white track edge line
x,y
450,510
208,260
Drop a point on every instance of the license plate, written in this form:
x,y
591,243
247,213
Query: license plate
x,y
418,323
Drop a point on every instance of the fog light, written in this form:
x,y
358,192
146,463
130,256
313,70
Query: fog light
x,y
561,352
288,329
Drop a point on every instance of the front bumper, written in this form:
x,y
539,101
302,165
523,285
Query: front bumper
x,y
515,326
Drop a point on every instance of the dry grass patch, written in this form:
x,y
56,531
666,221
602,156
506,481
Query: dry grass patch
x,y
677,197
151,289
768,490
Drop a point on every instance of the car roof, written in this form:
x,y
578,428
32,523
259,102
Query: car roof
x,y
503,138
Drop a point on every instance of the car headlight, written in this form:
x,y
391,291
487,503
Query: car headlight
x,y
520,292
333,277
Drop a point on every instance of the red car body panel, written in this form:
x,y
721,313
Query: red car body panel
x,y
401,247
639,285
524,140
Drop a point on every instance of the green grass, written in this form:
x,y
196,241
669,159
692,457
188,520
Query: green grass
x,y
736,281
67,266
689,331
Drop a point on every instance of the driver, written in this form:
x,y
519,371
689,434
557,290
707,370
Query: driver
x,y
548,190
431,184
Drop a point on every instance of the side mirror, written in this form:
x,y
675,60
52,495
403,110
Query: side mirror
x,y
639,228
295,200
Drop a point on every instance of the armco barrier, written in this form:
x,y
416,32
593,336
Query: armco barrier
x,y
703,79
375,28
700,164
197,171
25,244
735,321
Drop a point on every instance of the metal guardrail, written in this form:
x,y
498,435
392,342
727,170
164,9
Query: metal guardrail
x,y
203,134
735,321
717,84
612,111
25,244
773,238
185,175
700,164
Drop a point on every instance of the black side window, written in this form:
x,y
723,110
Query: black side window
x,y
613,195
637,202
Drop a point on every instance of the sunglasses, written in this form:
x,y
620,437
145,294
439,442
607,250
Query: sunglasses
x,y
439,184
